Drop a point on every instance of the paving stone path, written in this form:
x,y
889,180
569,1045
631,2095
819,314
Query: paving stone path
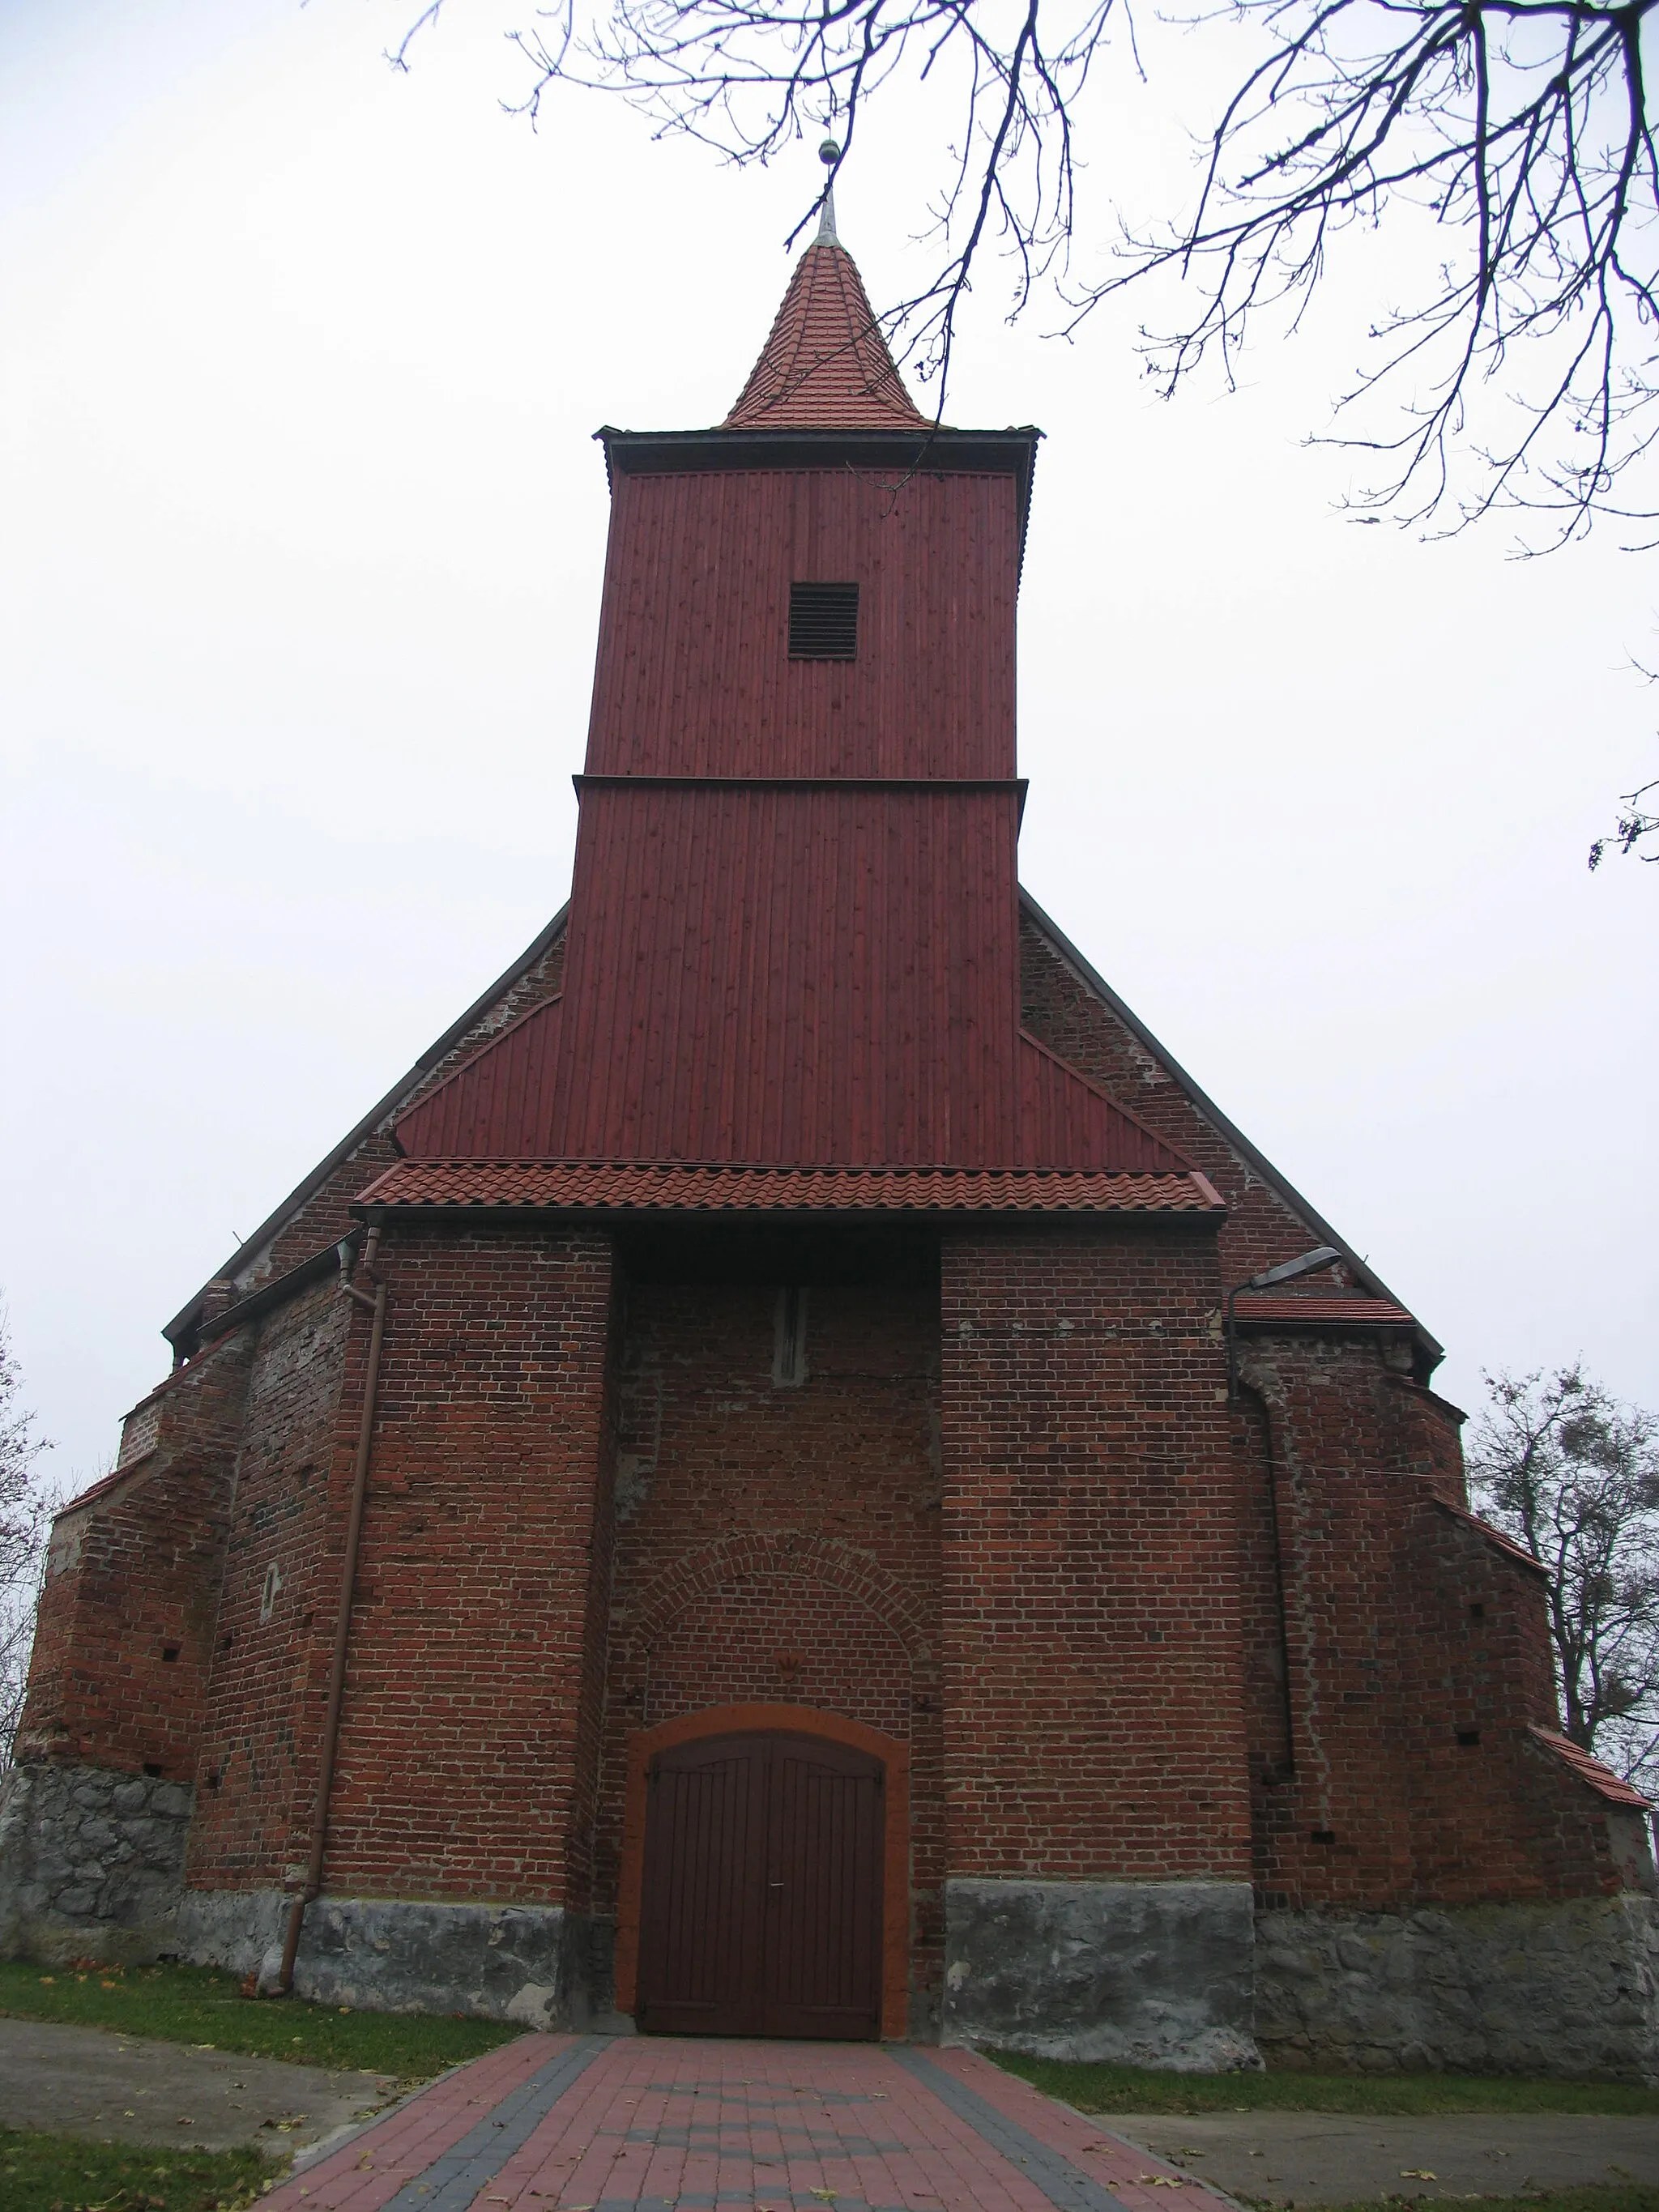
x,y
589,2123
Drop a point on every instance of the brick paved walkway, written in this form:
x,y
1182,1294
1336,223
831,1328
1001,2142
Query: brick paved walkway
x,y
649,2123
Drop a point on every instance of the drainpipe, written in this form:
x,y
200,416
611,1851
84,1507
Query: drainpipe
x,y
314,1881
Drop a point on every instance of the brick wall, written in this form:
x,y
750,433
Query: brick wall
x,y
1094,1698
1261,1598
277,1605
779,1542
470,1692
1418,1655
1493,1813
123,1642
1364,1663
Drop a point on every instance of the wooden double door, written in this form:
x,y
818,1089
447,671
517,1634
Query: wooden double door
x,y
761,1904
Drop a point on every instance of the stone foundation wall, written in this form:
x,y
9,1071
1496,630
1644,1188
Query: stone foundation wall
x,y
536,1965
91,1862
1139,1973
1569,1988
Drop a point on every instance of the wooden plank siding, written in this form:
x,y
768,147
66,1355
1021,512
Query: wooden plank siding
x,y
693,675
795,921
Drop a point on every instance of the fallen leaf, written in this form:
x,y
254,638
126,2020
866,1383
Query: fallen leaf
x,y
1417,2173
1159,2181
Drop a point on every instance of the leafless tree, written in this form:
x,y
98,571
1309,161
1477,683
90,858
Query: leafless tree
x,y
1511,139
24,1521
1566,1470
1637,823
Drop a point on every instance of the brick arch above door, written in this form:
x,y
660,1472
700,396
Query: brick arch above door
x,y
775,1635
820,1559
778,1719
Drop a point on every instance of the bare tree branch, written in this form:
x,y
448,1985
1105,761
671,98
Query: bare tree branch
x,y
1513,136
1559,1465
1635,825
24,1522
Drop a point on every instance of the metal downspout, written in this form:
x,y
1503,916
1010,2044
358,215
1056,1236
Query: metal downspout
x,y
314,1881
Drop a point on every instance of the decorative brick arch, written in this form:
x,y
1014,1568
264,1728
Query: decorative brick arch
x,y
782,1720
759,1553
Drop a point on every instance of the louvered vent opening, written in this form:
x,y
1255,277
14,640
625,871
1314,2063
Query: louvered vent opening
x,y
824,622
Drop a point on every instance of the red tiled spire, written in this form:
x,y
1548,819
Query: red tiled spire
x,y
825,366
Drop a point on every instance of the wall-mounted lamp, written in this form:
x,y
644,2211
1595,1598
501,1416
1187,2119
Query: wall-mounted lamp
x,y
1308,1263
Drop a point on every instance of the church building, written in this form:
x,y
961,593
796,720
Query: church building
x,y
796,1476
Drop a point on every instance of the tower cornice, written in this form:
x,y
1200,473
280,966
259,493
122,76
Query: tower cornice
x,y
1012,452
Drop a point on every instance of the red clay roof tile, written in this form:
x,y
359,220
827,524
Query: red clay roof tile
x,y
600,1187
1495,1537
1287,1309
825,365
1601,1779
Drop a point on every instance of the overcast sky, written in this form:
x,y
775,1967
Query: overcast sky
x,y
300,536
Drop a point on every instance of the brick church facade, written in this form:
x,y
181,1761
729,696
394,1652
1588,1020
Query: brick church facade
x,y
752,1493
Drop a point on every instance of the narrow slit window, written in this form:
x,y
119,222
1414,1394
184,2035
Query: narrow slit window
x,y
824,622
789,1338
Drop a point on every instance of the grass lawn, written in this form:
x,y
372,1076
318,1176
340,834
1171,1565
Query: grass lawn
x,y
196,2005
1635,2197
69,2174
1134,2090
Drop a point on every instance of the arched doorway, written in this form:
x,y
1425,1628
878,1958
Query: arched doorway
x,y
765,1877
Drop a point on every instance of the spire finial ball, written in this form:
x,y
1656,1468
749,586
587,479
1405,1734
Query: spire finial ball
x,y
829,152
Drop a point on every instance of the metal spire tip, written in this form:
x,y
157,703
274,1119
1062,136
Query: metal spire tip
x,y
828,154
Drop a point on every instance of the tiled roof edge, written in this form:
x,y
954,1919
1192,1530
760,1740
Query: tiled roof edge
x,y
184,1321
1090,976
670,1177
1495,1537
1589,1769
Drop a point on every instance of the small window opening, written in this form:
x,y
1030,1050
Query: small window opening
x,y
1324,1835
1469,1738
152,1769
1477,1611
824,622
273,1583
213,1777
789,1337
169,1654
